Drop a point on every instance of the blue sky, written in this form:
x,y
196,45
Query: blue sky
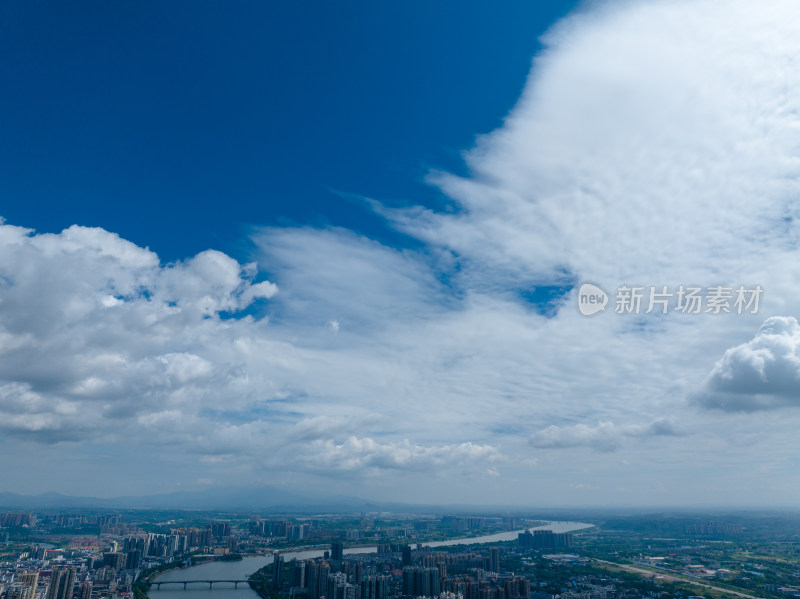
x,y
335,248
181,124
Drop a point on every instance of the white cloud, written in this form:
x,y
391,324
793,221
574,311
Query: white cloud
x,y
605,436
763,373
104,344
25,414
655,144
363,454
93,321
336,276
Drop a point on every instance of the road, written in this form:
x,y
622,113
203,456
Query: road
x,y
671,578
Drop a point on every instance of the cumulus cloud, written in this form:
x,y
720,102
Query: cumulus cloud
x,y
94,322
104,344
763,373
365,453
25,414
605,436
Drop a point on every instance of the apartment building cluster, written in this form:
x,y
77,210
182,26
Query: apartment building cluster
x,y
545,539
101,566
394,572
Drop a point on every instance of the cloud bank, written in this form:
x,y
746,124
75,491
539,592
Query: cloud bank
x,y
655,143
605,436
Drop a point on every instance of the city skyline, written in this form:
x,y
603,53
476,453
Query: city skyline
x,y
342,253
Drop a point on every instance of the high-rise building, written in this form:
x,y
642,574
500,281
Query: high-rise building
x,y
494,559
30,579
62,583
337,583
421,582
220,529
37,552
375,587
406,552
297,532
545,539
277,570
317,579
517,588
337,550
114,560
357,571
17,519
298,574
132,559
322,584
19,590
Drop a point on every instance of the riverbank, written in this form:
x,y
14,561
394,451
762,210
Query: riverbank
x,y
242,569
260,582
141,586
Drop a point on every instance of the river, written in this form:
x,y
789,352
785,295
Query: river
x,y
242,569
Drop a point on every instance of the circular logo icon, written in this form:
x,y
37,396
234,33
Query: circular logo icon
x,y
591,299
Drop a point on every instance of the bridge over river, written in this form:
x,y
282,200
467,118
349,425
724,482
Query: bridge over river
x,y
210,583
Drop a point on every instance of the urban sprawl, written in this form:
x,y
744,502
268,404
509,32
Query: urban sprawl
x,y
397,556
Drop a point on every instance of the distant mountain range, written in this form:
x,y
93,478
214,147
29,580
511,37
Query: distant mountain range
x,y
253,499
266,500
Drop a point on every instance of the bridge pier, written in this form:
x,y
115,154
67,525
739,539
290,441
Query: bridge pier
x,y
184,585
